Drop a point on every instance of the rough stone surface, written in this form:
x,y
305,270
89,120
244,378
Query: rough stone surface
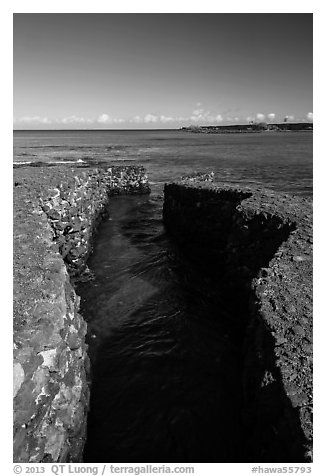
x,y
259,243
55,212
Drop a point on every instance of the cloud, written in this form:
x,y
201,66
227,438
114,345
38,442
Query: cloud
x,y
74,120
136,119
260,117
34,120
37,120
310,116
166,119
288,118
198,112
197,116
150,118
200,115
162,118
106,119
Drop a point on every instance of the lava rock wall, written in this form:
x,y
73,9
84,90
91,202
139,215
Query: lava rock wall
x,y
55,213
258,244
76,206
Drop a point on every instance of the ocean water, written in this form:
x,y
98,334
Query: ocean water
x,y
163,339
281,161
165,356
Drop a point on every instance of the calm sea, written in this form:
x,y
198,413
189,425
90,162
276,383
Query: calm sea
x,y
282,161
165,352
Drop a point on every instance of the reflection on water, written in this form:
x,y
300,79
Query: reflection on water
x,y
164,358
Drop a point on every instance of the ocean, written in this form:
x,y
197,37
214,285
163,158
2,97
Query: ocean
x,y
277,160
165,357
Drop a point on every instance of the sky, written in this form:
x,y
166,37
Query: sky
x,y
157,71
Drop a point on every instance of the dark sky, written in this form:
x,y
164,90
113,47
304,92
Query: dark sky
x,y
160,70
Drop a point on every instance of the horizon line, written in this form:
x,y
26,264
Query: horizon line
x,y
163,129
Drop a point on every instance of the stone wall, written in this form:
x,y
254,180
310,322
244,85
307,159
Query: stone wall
x,y
56,210
78,204
257,244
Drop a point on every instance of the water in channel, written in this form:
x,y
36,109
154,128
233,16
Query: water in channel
x,y
164,357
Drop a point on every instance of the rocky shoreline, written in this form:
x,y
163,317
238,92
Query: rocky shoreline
x,y
257,241
251,128
260,244
56,211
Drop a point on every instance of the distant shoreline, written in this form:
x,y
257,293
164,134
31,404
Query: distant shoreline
x,y
260,127
251,128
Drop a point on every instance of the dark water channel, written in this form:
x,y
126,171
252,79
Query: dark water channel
x,y
165,356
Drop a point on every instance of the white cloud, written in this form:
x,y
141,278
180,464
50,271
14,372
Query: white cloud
x,y
34,119
150,118
104,119
271,116
200,116
198,112
250,118
310,116
260,116
195,118
136,119
74,120
165,119
37,120
288,118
